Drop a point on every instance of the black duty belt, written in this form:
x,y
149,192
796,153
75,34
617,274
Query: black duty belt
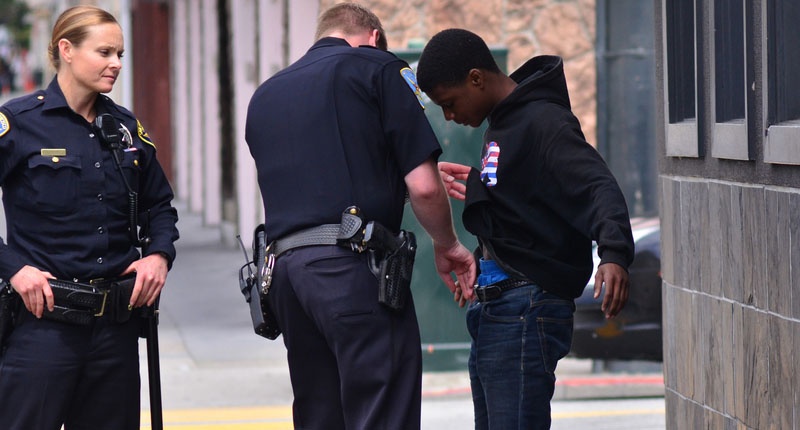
x,y
82,302
326,234
347,233
493,291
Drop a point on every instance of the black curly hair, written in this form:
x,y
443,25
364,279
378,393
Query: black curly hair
x,y
449,56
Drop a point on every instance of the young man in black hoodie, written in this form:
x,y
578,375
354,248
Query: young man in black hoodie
x,y
541,196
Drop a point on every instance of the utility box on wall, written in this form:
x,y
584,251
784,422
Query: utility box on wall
x,y
445,341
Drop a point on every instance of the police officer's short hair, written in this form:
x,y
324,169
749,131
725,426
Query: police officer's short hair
x,y
350,19
449,56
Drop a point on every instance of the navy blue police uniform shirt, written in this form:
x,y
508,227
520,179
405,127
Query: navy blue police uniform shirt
x,y
65,202
341,126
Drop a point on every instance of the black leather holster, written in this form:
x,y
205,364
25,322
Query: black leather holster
x,y
9,309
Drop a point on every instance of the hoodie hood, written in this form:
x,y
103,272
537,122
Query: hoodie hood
x,y
539,79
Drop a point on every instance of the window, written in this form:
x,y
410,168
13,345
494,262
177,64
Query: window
x,y
782,145
730,104
681,78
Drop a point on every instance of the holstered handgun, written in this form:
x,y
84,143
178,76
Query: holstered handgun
x,y
392,262
390,256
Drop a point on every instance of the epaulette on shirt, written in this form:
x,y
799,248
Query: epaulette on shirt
x,y
406,72
25,103
17,106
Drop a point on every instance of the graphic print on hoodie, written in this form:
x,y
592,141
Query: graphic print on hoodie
x,y
491,156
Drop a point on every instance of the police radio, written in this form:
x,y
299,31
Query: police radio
x,y
110,135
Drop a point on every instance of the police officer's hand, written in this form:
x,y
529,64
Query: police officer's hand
x,y
151,273
31,284
458,260
615,279
451,173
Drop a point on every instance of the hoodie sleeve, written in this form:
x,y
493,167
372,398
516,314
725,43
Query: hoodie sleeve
x,y
588,193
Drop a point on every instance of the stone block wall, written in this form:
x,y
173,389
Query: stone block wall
x,y
525,27
731,303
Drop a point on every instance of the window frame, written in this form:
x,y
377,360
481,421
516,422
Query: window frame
x,y
682,139
782,135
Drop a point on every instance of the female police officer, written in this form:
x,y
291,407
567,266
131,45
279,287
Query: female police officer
x,y
67,185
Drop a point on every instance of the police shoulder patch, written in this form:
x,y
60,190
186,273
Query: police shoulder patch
x,y
143,134
411,80
4,125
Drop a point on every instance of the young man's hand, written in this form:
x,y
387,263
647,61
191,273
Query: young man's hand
x,y
615,280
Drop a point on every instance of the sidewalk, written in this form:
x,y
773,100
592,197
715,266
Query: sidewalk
x,y
211,358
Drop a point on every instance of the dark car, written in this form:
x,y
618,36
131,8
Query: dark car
x,y
634,334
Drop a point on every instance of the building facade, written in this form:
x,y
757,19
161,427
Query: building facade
x,y
729,145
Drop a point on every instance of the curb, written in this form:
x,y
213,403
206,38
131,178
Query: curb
x,y
609,386
441,385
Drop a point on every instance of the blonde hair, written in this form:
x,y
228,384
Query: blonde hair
x,y
350,19
73,25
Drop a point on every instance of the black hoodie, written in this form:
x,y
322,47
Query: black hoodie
x,y
552,193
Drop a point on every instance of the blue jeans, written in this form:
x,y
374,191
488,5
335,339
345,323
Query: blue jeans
x,y
517,340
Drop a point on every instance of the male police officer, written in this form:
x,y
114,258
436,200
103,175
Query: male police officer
x,y
343,127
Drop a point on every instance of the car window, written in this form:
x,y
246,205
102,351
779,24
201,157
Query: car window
x,y
650,242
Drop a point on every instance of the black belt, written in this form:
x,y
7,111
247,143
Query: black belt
x,y
82,302
326,234
344,234
493,291
79,297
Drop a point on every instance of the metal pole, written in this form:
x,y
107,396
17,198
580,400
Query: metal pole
x,y
154,369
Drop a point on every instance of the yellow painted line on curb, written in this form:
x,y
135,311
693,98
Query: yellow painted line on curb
x,y
595,414
280,417
235,418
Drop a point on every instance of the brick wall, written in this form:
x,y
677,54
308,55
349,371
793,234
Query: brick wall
x,y
525,27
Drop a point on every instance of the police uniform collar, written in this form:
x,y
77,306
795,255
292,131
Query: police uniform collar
x,y
54,98
330,41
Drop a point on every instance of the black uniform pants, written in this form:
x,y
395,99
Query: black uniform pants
x,y
354,364
85,377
